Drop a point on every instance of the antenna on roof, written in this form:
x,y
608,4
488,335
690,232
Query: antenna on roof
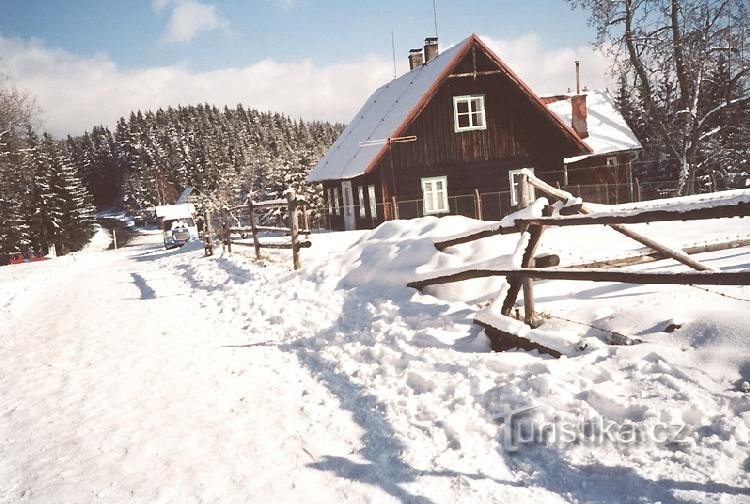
x,y
393,48
434,15
389,140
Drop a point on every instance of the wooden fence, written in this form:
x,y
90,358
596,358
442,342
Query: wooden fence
x,y
264,236
574,213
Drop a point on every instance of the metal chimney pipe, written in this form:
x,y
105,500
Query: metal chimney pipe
x,y
578,77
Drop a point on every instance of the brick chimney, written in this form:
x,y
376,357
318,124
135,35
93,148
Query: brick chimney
x,y
430,49
578,104
415,58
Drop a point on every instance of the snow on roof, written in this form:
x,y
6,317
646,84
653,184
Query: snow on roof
x,y
379,119
391,107
608,131
175,211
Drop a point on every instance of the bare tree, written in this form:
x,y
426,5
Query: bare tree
x,y
18,109
669,50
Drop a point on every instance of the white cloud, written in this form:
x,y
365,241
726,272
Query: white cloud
x,y
188,19
78,92
551,71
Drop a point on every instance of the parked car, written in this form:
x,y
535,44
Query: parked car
x,y
177,224
177,232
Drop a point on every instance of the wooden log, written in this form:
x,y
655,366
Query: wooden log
x,y
499,230
294,225
528,255
240,229
546,261
644,216
596,275
277,203
652,244
277,229
516,283
501,341
651,256
283,246
254,228
677,255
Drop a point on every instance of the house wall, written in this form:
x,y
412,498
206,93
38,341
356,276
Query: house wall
x,y
517,136
369,220
595,181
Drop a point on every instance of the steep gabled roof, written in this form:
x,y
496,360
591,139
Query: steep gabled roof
x,y
608,131
390,110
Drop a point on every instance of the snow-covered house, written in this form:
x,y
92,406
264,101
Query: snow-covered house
x,y
597,121
457,122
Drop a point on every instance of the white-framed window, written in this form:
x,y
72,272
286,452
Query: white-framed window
x,y
373,202
514,179
330,200
361,195
336,207
468,113
435,195
611,161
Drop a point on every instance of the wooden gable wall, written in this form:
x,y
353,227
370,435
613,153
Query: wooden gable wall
x,y
517,136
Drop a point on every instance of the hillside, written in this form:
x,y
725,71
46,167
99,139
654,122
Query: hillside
x,y
152,156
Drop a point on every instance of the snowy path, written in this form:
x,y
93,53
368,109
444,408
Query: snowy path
x,y
114,387
170,377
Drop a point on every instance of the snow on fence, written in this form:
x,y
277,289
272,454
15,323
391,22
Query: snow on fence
x,y
263,236
531,221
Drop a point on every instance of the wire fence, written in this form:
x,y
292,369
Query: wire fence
x,y
485,205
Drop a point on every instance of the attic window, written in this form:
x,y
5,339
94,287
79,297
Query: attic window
x,y
468,113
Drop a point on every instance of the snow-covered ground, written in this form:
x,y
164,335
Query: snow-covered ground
x,y
155,376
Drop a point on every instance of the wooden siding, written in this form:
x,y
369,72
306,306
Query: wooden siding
x,y
517,135
369,220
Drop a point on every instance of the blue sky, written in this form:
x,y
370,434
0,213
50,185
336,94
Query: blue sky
x,y
340,50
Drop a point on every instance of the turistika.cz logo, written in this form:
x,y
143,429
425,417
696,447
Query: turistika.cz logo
x,y
520,428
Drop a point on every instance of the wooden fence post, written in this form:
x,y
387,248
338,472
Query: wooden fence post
x,y
528,258
226,238
305,218
478,204
254,228
208,246
638,189
395,207
291,199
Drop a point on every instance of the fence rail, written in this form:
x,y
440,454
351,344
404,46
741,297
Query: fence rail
x,y
531,268
231,225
